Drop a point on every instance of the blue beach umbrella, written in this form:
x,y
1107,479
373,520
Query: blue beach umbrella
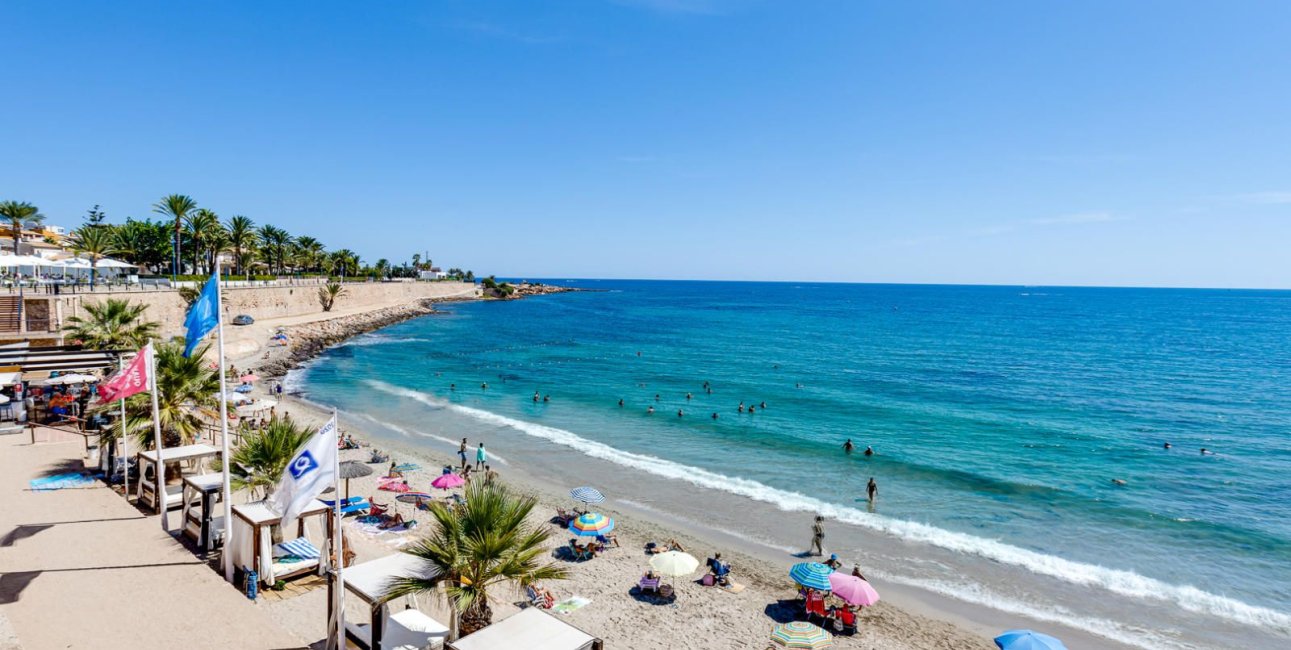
x,y
588,495
1027,640
591,524
811,574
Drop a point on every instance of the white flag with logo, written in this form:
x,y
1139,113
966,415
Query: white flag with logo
x,y
311,470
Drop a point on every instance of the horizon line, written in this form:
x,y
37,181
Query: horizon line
x,y
899,284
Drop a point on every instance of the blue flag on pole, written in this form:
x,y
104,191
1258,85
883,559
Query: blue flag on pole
x,y
203,316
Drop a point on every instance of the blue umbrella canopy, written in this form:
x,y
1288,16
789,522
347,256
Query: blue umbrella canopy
x,y
811,574
1027,640
588,495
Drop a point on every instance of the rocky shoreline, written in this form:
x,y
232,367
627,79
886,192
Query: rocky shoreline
x,y
311,339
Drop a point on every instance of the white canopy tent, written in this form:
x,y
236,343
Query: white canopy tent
x,y
528,629
200,523
253,545
409,628
147,488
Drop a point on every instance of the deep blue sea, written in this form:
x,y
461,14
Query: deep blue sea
x,y
1000,416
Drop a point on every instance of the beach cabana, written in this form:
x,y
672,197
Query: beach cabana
x,y
254,547
528,629
147,488
408,628
201,525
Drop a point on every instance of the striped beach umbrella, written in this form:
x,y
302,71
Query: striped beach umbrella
x,y
811,574
1027,640
414,497
588,495
800,634
591,524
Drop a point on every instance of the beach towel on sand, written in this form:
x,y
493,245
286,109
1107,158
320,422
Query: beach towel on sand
x,y
60,481
570,604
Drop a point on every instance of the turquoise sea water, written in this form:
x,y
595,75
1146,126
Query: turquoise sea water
x,y
1000,417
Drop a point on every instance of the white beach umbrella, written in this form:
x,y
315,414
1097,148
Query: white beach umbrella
x,y
109,263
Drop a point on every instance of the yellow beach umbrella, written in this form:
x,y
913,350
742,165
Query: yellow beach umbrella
x,y
674,564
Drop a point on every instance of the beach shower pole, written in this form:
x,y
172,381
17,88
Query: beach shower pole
x,y
160,493
226,558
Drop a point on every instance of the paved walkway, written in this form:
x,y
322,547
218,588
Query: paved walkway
x,y
81,568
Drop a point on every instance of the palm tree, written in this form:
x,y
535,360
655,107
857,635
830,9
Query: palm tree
x,y
96,242
203,228
19,213
274,244
345,262
259,461
187,391
308,252
328,293
478,547
112,325
142,242
242,238
382,268
177,206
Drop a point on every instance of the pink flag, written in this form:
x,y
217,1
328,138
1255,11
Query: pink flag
x,y
132,379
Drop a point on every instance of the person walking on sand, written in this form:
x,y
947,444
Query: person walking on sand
x,y
480,456
818,536
461,452
872,490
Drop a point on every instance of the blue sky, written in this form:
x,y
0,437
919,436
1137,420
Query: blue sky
x,y
1104,143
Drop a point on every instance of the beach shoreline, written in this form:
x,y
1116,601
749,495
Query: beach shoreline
x,y
909,617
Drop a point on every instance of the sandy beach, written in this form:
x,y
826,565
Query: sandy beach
x,y
701,617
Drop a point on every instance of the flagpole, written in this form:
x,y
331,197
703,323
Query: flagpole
x,y
226,558
125,442
340,539
160,492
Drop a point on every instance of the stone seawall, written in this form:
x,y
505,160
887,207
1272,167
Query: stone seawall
x,y
167,308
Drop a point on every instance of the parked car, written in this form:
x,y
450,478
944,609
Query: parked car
x,y
243,319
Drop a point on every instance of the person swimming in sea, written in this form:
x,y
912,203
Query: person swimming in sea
x,y
688,396
679,413
741,407
848,446
763,405
1167,445
620,403
752,408
535,397
546,398
650,409
1206,452
484,386
869,451
714,415
656,397
452,387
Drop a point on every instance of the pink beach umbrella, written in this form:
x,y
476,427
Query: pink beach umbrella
x,y
249,378
445,481
853,590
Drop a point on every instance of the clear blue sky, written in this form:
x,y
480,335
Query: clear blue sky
x,y
1118,143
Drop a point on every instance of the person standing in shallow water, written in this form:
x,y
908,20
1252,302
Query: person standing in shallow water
x,y
461,452
872,490
818,536
848,446
481,456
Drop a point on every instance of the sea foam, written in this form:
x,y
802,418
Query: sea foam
x,y
1119,581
